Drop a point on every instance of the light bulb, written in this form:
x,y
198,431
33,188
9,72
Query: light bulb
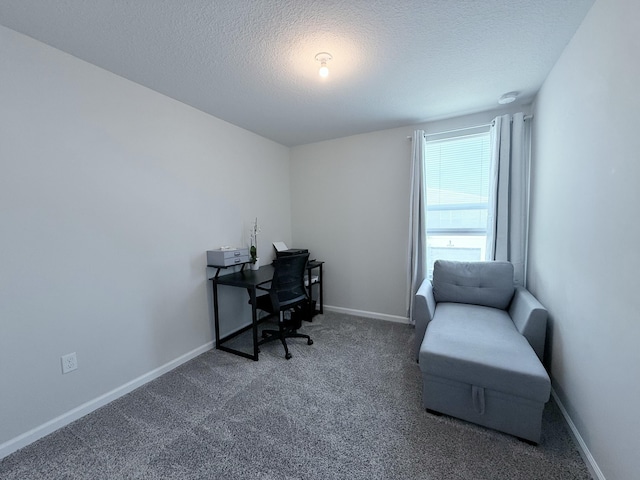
x,y
323,58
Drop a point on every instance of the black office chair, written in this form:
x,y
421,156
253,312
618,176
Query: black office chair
x,y
287,293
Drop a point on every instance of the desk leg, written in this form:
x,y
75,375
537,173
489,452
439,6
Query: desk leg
x,y
254,325
310,293
215,312
254,322
320,289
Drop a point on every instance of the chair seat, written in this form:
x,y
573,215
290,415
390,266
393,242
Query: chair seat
x,y
481,346
263,302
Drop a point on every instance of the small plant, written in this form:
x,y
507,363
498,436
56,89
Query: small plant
x,y
253,250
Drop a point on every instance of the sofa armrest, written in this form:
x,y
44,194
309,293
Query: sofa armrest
x,y
530,318
424,306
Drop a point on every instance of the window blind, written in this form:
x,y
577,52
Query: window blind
x,y
457,179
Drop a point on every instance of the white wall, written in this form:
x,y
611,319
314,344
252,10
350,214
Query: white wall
x,y
350,200
110,194
585,232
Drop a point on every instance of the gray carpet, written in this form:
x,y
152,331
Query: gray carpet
x,y
346,407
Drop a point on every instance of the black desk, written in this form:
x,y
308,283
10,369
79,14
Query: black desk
x,y
250,279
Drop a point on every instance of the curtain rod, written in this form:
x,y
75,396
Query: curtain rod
x,y
526,117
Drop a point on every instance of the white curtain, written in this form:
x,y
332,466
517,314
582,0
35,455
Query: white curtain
x,y
417,220
508,218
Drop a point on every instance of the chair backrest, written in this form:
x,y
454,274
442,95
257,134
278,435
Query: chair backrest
x,y
287,286
479,283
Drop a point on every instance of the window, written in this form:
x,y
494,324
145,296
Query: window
x,y
457,171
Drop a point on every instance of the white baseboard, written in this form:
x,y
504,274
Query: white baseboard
x,y
362,313
582,446
51,426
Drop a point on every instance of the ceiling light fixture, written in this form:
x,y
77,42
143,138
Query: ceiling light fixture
x,y
323,58
508,98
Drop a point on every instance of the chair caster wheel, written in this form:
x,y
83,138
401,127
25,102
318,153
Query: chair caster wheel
x,y
288,356
310,342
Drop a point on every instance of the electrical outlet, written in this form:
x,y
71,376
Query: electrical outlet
x,y
69,362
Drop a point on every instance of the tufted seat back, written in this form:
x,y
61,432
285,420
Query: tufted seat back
x,y
478,283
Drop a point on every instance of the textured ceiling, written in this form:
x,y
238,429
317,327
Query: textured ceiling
x,y
251,63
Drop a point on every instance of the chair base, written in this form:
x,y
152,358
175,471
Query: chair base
x,y
282,335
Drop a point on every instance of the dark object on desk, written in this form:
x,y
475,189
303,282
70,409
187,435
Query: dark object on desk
x,y
287,293
291,251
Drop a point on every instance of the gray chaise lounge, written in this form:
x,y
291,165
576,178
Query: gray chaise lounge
x,y
480,342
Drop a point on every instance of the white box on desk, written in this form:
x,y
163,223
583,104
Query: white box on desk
x,y
225,257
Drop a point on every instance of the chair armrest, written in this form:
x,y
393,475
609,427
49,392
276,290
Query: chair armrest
x,y
424,307
530,318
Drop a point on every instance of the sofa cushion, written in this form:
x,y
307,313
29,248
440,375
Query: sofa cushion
x,y
480,283
481,346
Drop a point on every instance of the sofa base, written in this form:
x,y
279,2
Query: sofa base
x,y
510,414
